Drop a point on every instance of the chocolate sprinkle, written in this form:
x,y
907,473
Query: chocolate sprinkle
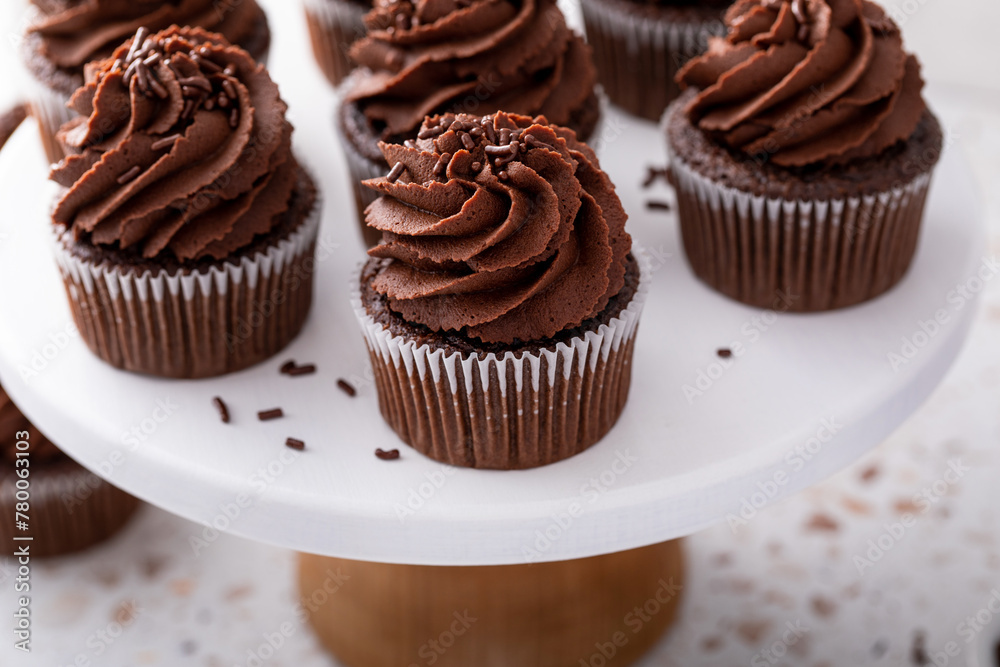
x,y
390,455
655,173
287,366
267,415
220,405
724,353
160,144
129,175
396,171
656,205
347,387
308,369
292,443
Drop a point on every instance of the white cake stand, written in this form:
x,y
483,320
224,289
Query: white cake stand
x,y
702,439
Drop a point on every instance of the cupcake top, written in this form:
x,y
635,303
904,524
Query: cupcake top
x,y
475,56
502,228
182,149
13,427
75,32
806,82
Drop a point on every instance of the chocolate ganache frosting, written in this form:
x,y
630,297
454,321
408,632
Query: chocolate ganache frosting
x,y
806,82
75,32
474,56
183,149
502,228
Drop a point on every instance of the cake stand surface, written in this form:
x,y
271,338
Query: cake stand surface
x,y
702,439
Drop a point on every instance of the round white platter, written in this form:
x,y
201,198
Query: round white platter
x,y
702,439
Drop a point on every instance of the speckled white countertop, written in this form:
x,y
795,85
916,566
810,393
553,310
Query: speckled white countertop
x,y
836,562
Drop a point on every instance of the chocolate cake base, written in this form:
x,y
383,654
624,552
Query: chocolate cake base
x,y
813,239
71,510
364,160
505,407
197,319
334,25
640,46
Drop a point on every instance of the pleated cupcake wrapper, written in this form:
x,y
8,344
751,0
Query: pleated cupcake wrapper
x,y
71,509
797,255
361,168
194,324
48,106
333,26
509,411
637,57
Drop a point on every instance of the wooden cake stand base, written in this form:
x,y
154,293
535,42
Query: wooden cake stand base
x,y
596,612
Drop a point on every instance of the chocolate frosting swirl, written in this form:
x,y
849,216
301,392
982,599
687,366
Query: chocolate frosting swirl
x,y
182,149
75,32
12,422
806,82
476,56
501,228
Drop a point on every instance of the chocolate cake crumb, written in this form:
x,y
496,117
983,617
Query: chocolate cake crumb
x,y
292,443
266,415
220,405
658,205
724,353
347,387
390,455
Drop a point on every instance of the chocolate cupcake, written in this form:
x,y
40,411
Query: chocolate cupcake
x,y
69,508
501,307
68,34
187,228
473,57
334,25
802,155
639,46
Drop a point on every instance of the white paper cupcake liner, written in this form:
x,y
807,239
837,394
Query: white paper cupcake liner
x,y
637,56
360,169
806,255
333,26
507,412
194,323
49,109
